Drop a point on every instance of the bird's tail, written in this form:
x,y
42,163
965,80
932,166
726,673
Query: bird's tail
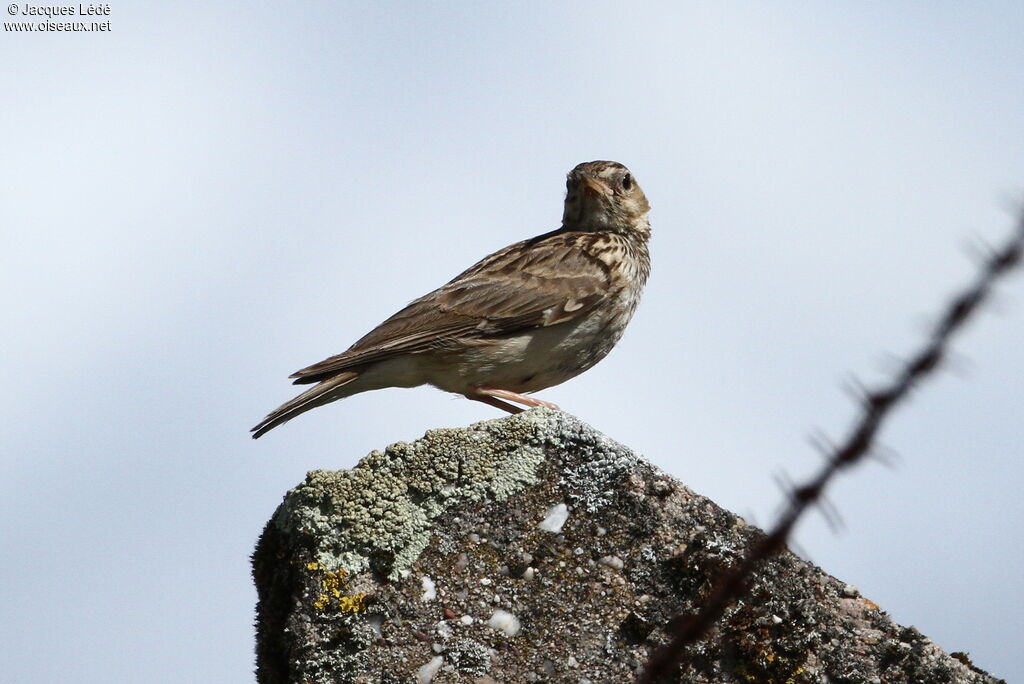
x,y
325,392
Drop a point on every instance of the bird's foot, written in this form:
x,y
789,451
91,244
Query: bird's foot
x,y
494,397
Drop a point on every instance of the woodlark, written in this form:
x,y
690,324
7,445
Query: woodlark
x,y
527,317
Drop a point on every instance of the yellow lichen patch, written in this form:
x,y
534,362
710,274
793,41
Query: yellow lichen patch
x,y
334,586
352,604
770,668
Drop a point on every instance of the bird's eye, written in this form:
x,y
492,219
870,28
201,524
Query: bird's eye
x,y
627,182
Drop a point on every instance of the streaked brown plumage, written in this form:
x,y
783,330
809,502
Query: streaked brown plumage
x,y
527,317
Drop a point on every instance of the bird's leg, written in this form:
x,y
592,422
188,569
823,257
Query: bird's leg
x,y
497,394
497,403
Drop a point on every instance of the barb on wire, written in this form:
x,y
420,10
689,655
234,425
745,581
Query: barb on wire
x,y
876,406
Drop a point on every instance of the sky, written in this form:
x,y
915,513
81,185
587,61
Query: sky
x,y
209,196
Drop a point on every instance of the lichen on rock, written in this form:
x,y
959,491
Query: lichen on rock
x,y
379,514
511,600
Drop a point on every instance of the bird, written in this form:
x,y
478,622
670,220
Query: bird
x,y
525,318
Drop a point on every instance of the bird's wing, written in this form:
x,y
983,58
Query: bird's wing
x,y
533,284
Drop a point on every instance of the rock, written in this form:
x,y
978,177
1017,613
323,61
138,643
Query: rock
x,y
345,567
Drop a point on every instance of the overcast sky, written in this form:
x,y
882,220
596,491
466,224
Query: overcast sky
x,y
213,195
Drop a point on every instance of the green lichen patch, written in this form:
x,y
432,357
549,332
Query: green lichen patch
x,y
379,514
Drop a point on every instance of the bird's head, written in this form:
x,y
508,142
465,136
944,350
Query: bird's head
x,y
603,195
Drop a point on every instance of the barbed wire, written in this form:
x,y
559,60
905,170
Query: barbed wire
x,y
876,406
